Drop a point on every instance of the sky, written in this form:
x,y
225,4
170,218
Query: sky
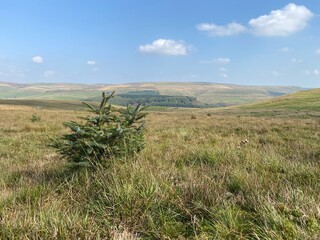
x,y
247,42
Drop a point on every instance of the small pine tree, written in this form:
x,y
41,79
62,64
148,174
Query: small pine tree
x,y
35,118
110,132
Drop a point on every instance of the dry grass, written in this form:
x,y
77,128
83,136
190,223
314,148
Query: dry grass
x,y
197,179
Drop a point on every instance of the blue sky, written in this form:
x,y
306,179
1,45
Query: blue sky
x,y
249,42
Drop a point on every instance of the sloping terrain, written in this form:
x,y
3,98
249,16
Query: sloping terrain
x,y
47,104
303,104
304,100
225,175
212,94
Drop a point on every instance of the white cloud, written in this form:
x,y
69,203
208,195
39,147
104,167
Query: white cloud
x,y
95,69
285,49
165,47
48,74
307,72
283,22
221,31
224,75
91,62
222,60
314,72
194,76
37,59
223,69
275,73
294,60
317,52
217,61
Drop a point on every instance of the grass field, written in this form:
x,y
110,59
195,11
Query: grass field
x,y
205,93
304,100
237,173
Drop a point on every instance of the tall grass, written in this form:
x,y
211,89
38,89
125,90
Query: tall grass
x,y
194,180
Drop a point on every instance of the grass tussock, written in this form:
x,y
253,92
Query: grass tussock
x,y
232,176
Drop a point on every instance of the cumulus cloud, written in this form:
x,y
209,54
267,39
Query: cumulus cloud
x,y
315,72
294,60
37,59
221,31
217,61
282,22
285,49
194,76
292,18
91,62
223,69
275,73
48,74
224,75
165,47
317,52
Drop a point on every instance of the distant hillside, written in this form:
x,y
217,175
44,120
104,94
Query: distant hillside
x,y
46,104
210,93
167,93
304,100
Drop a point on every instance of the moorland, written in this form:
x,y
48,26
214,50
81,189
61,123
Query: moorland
x,y
244,172
165,94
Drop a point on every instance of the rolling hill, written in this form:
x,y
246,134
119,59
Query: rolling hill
x,y
207,94
304,104
303,100
224,173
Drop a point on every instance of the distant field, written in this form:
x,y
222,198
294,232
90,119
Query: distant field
x,y
304,104
62,104
250,172
304,100
47,104
205,94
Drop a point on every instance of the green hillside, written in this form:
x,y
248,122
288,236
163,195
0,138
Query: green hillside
x,y
202,94
46,104
304,100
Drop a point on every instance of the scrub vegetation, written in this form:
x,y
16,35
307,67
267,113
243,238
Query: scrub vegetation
x,y
108,133
237,173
